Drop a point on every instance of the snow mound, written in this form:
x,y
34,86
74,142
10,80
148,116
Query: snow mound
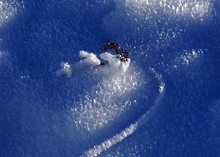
x,y
106,90
66,69
114,61
90,60
107,100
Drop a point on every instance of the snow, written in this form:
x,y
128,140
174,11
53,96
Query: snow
x,y
196,9
104,101
110,142
115,62
58,99
8,9
91,60
66,69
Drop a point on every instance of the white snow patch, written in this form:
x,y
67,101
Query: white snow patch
x,y
160,79
115,62
189,56
110,97
8,8
66,69
98,149
90,60
196,9
106,100
162,87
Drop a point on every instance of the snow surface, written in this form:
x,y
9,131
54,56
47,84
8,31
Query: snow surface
x,y
57,100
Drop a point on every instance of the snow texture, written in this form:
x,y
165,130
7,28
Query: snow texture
x,y
58,99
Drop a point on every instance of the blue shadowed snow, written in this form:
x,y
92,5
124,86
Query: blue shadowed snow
x,y
55,100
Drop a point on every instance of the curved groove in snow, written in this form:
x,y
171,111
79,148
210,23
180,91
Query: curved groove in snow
x,y
105,145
